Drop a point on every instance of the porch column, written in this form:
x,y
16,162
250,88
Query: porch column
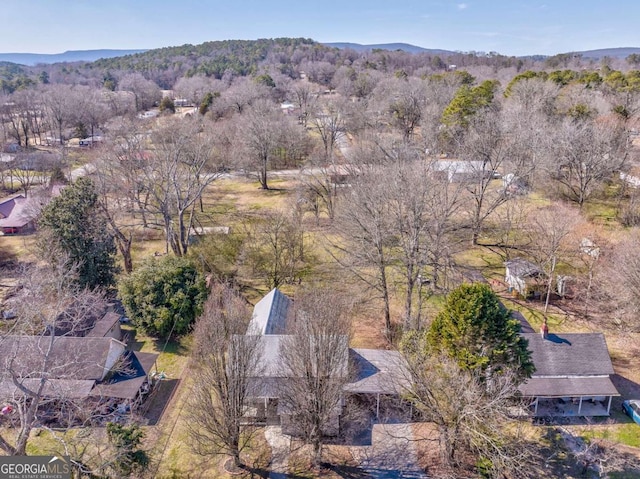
x,y
580,407
609,405
535,412
377,405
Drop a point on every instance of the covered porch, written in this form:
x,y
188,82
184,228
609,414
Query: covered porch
x,y
571,407
569,396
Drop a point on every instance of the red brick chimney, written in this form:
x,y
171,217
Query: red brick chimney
x,y
544,329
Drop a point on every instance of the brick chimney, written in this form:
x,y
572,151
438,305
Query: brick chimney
x,y
544,329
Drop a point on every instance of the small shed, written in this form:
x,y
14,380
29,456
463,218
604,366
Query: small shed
x,y
524,277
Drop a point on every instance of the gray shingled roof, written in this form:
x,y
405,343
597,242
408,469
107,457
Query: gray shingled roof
x,y
103,325
270,314
568,387
69,358
378,371
571,354
58,388
522,268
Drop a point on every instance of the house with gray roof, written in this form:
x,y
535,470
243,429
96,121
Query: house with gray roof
x,y
460,171
95,370
374,374
572,376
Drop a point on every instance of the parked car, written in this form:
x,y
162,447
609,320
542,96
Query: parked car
x,y
632,408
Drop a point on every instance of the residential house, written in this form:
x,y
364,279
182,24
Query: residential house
x,y
378,374
573,374
460,171
16,216
99,371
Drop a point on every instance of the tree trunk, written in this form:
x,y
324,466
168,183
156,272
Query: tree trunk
x,y
263,174
317,452
387,301
124,246
408,305
549,283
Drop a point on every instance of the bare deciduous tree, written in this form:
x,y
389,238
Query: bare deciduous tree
x,y
122,196
620,280
146,92
472,416
550,229
276,249
48,300
586,153
265,130
225,361
486,141
363,224
314,359
176,175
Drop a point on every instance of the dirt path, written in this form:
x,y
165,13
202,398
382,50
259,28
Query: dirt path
x,y
392,454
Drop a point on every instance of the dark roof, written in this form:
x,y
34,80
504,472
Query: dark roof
x,y
69,358
102,326
522,268
571,354
6,206
568,387
53,388
126,383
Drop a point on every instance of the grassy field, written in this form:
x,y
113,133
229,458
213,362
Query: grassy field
x,y
235,202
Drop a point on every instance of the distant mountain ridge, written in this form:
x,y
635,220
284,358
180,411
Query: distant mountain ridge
x,y
31,59
622,52
406,47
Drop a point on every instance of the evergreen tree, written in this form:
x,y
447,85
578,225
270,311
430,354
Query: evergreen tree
x,y
126,440
164,296
476,330
72,225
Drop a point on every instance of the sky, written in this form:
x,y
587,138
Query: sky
x,y
509,27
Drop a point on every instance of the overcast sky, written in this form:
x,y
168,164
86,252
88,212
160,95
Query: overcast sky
x,y
511,27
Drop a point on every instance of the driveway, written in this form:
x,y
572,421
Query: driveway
x,y
392,454
280,449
